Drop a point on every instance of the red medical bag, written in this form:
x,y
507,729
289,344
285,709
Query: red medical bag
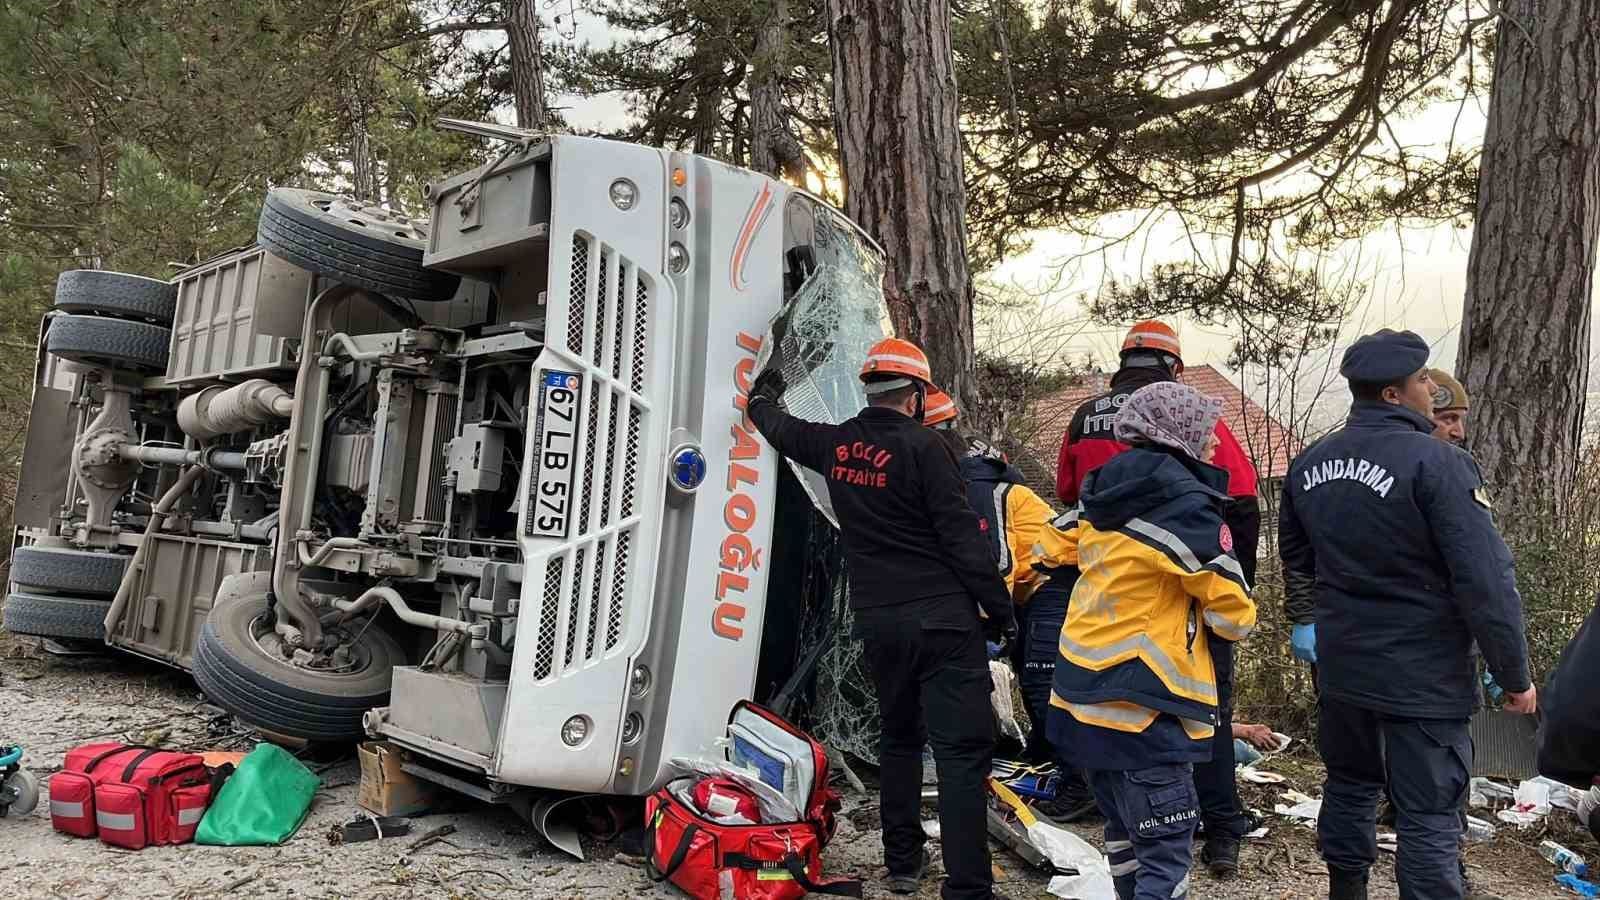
x,y
766,861
130,796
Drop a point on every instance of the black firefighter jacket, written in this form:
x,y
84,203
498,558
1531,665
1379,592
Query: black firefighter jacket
x,y
908,530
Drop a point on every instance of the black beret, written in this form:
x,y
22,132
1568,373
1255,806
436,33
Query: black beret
x,y
1384,357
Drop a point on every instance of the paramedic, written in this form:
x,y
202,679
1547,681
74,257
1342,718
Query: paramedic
x,y
919,576
1392,529
1135,695
1151,353
1011,515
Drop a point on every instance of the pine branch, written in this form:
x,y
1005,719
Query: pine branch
x,y
445,28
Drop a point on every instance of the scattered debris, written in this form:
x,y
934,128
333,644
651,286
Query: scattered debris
x,y
1563,859
1561,796
1578,886
1479,831
368,828
1257,776
1519,818
1302,808
1083,873
1000,698
432,837
1485,793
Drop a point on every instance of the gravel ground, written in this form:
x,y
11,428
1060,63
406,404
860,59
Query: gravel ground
x,y
49,705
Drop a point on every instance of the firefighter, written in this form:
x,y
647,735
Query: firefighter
x,y
1392,532
1135,696
1151,353
1011,515
1450,408
920,573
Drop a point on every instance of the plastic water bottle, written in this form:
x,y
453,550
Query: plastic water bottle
x,y
1479,831
1564,859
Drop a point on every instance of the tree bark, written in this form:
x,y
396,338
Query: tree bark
x,y
527,64
895,99
1524,351
773,146
363,178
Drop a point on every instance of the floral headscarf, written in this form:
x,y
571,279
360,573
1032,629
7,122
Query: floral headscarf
x,y
1170,414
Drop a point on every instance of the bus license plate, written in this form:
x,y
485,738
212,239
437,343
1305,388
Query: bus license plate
x,y
556,443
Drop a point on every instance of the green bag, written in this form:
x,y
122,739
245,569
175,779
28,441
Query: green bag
x,y
263,803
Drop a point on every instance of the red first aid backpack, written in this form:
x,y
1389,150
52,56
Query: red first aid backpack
x,y
766,861
130,796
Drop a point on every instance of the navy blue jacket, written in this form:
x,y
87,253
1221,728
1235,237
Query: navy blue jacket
x,y
989,480
1395,529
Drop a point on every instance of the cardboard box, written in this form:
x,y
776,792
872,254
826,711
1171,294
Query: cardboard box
x,y
386,790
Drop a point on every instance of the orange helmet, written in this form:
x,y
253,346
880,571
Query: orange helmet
x,y
893,357
941,409
1152,335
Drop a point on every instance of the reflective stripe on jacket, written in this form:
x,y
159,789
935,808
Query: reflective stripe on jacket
x,y
1011,517
1157,565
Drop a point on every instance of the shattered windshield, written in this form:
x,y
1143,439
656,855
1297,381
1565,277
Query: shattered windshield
x,y
833,312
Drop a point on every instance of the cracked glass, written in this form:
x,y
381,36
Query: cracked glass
x,y
833,312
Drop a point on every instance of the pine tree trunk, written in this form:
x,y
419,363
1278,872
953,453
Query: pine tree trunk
x,y
363,183
1525,327
773,147
894,97
527,66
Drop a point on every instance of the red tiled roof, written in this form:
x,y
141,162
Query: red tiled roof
x,y
1271,446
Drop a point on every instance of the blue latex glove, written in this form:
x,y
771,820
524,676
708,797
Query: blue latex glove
x,y
1578,886
1303,640
1493,687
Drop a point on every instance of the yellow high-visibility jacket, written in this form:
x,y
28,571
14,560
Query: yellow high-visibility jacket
x,y
1157,566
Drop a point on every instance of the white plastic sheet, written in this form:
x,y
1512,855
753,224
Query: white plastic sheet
x,y
1004,681
1300,807
1067,850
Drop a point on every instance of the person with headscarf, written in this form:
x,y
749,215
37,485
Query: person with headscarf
x,y
1134,702
1152,353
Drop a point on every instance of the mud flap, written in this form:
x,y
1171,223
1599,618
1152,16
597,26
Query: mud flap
x,y
550,816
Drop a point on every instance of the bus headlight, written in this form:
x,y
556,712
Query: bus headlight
x,y
575,731
624,194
